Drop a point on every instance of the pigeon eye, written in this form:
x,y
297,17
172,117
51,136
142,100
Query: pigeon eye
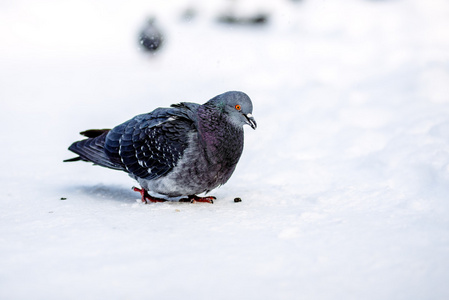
x,y
238,107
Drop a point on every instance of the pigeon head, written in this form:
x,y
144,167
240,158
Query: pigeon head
x,y
237,106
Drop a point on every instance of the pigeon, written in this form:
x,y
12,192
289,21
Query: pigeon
x,y
184,150
150,37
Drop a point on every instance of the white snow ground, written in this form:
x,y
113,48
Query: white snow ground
x,y
345,183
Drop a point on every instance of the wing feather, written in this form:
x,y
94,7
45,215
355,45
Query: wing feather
x,y
150,145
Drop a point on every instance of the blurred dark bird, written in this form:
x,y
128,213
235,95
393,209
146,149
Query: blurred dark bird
x,y
150,37
183,150
257,19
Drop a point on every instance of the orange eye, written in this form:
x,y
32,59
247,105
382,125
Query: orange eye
x,y
238,107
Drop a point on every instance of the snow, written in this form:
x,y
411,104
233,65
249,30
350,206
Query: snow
x,y
344,184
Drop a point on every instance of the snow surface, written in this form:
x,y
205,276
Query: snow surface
x,y
345,183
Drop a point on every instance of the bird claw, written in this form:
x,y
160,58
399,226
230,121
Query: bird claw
x,y
195,199
192,198
146,196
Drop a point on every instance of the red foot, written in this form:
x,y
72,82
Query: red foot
x,y
194,198
146,196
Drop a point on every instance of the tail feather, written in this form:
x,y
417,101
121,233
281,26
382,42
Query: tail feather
x,y
92,133
72,159
92,149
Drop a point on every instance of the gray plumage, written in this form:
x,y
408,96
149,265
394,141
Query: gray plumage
x,y
183,150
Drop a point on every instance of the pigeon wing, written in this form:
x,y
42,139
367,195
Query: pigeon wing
x,y
150,145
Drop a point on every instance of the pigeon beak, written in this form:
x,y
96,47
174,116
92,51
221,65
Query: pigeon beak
x,y
250,121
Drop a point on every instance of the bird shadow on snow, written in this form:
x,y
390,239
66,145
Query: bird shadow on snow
x,y
107,192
